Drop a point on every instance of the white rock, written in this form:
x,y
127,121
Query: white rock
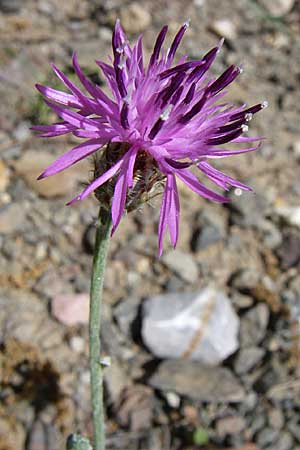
x,y
296,149
278,7
199,326
4,176
77,344
224,28
290,213
135,18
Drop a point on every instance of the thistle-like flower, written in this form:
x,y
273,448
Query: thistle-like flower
x,y
158,122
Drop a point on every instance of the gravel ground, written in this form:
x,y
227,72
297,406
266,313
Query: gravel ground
x,y
249,250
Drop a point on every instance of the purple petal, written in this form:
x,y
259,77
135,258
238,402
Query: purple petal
x,y
158,44
179,68
190,94
178,164
72,156
53,130
194,184
73,118
163,219
124,180
70,85
176,42
221,153
226,78
225,137
93,90
194,110
124,116
98,182
59,96
220,178
254,109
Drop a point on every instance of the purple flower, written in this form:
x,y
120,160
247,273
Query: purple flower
x,y
160,119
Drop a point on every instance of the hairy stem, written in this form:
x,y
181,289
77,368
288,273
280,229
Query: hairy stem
x,y
96,368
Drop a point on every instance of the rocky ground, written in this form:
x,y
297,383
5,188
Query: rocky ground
x,y
159,396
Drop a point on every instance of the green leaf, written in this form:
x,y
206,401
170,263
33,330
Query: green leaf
x,y
200,436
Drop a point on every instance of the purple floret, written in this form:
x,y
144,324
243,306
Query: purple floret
x,y
171,113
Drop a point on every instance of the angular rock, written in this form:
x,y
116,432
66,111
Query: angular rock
x,y
10,6
205,237
284,442
294,429
115,379
200,326
32,164
254,325
210,228
71,309
198,382
276,419
183,264
246,279
230,425
135,18
224,28
278,8
249,209
12,218
289,251
4,176
267,436
135,409
125,312
272,236
291,214
247,358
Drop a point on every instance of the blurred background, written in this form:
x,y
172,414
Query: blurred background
x,y
224,375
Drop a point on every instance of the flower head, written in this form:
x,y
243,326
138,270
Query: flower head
x,y
159,120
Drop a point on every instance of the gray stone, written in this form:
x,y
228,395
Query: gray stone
x,y
254,325
294,428
210,228
250,208
135,18
22,131
12,217
10,6
272,236
284,442
183,264
199,382
245,279
247,359
242,301
116,379
258,423
230,425
125,312
289,252
205,237
201,326
31,165
267,436
278,7
276,418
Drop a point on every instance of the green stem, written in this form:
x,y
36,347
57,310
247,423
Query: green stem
x,y
96,369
